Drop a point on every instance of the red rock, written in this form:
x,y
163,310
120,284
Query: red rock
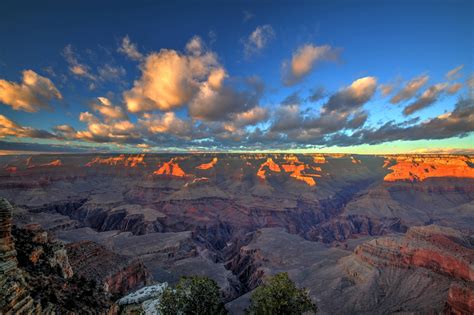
x,y
170,168
460,300
419,168
206,166
122,159
441,250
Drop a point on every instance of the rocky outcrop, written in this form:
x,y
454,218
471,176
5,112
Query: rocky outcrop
x,y
14,293
206,166
37,250
418,168
442,250
170,168
460,299
121,160
118,274
271,165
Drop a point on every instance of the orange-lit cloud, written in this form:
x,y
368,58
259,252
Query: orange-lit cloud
x,y
305,59
170,79
32,94
10,128
104,106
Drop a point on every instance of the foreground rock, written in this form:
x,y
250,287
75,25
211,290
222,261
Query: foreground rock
x,y
38,275
119,274
14,293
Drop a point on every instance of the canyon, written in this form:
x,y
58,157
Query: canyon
x,y
366,234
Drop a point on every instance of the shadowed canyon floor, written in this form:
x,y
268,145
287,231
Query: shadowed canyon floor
x,y
366,234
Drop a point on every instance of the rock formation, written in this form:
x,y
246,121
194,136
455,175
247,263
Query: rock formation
x,y
118,274
419,168
170,168
206,166
442,250
122,159
14,293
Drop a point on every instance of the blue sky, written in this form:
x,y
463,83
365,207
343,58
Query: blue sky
x,y
392,42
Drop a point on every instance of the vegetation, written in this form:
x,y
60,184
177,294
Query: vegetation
x,y
192,295
279,295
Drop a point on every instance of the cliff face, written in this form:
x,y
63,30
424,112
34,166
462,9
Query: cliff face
x,y
118,274
460,299
419,168
14,294
441,250
38,274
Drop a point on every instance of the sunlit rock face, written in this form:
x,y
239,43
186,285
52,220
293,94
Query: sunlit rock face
x,y
206,166
170,168
185,214
420,168
122,160
442,250
297,170
271,165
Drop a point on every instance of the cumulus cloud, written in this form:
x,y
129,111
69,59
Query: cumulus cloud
x,y
287,117
258,39
117,131
218,105
459,122
104,106
352,97
454,73
248,118
10,128
304,60
35,92
170,79
342,111
129,49
167,123
410,89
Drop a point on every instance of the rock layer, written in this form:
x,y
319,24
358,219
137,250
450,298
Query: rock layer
x,y
118,274
14,294
442,250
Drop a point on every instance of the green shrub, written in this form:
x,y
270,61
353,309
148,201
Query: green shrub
x,y
279,295
192,295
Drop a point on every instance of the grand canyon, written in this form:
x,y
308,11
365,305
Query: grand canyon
x,y
200,157
364,233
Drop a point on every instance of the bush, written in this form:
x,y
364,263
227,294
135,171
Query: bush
x,y
279,295
192,295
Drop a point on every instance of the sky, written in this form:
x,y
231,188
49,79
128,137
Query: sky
x,y
366,77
